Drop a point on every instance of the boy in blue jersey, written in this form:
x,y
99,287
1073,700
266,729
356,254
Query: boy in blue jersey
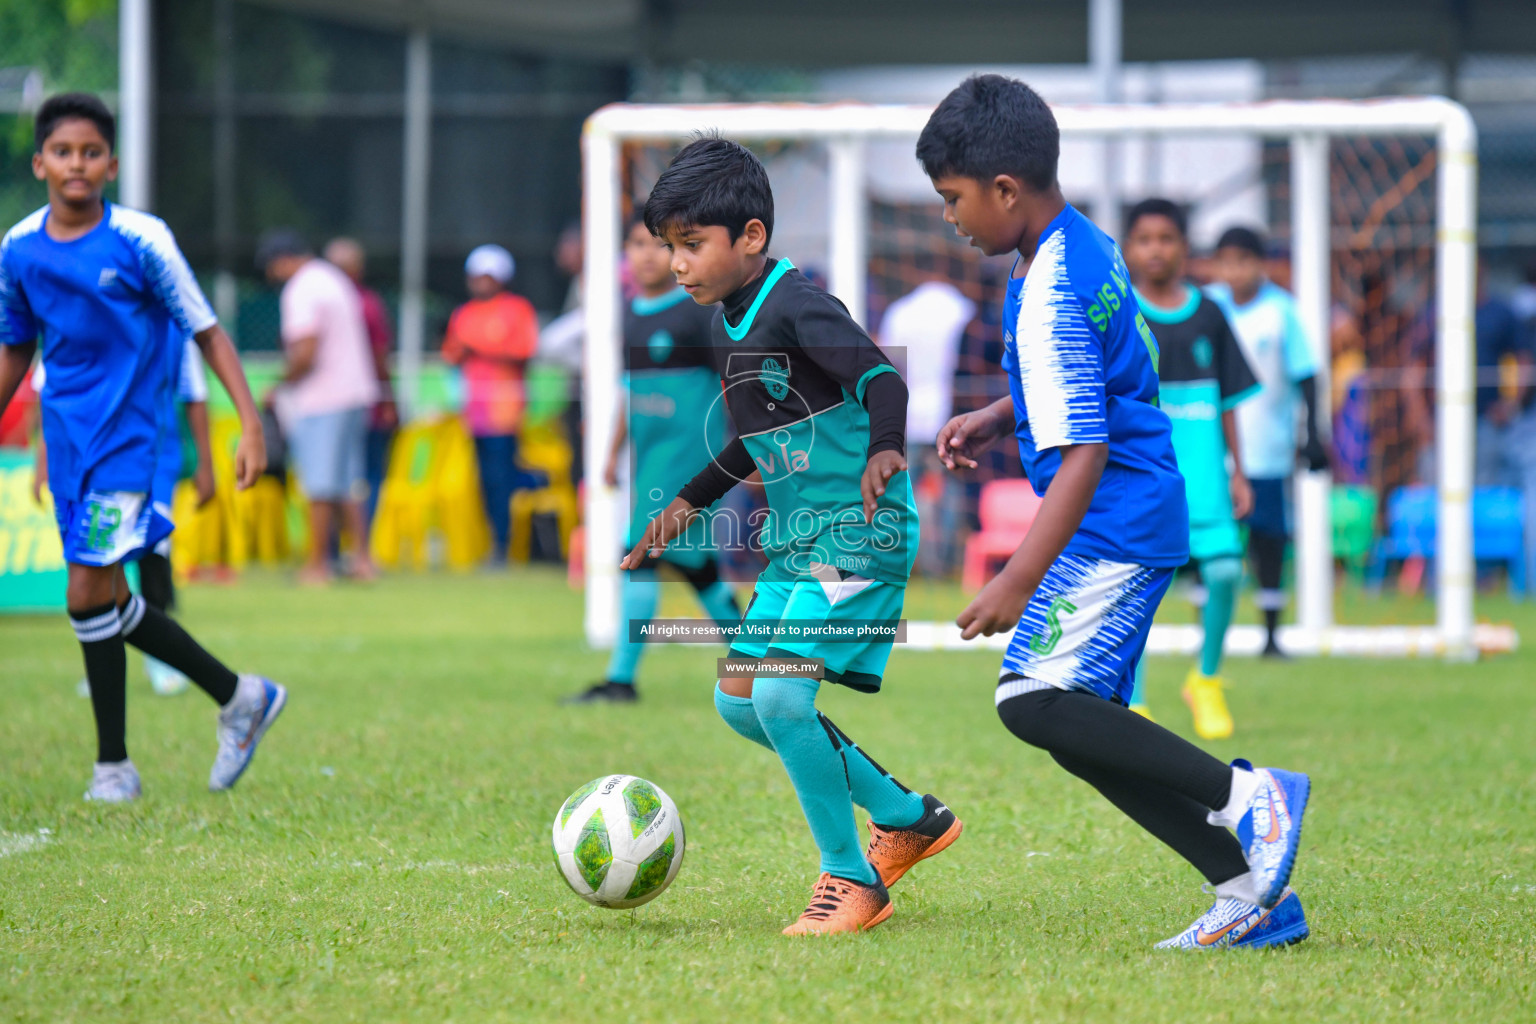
x,y
1263,316
1080,592
112,300
669,380
1204,379
820,414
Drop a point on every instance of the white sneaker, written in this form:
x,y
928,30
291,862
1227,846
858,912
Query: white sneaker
x,y
167,681
242,724
114,782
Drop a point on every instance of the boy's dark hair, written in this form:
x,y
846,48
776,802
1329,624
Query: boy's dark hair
x,y
713,181
1158,208
72,106
1246,239
990,125
276,243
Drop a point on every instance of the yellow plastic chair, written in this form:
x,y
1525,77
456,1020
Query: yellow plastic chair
x,y
457,503
403,520
544,447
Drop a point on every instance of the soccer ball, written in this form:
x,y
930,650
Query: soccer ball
x,y
618,841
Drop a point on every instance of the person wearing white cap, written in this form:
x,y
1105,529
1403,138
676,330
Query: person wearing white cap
x,y
491,338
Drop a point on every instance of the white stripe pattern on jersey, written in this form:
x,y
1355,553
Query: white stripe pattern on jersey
x,y
1059,372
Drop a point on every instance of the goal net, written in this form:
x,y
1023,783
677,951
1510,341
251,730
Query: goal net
x,y
1370,211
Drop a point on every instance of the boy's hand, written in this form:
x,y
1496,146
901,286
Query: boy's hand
x,y
1242,496
969,434
668,525
202,479
882,466
997,609
250,458
40,474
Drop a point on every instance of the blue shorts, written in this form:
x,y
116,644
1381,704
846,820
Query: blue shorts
x,y
1085,628
856,661
1269,513
330,453
108,527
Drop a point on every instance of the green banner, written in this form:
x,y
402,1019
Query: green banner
x,y
32,573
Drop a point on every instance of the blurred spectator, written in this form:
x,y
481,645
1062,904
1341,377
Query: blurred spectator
x,y
1524,299
922,331
568,254
491,338
1506,404
347,255
329,385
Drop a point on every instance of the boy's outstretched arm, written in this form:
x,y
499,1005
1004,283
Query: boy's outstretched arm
x,y
726,470
197,421
969,434
1000,604
220,355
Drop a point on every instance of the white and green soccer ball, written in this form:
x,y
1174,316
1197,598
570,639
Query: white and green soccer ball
x,y
618,841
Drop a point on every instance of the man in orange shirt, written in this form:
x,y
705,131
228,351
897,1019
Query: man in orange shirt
x,y
491,338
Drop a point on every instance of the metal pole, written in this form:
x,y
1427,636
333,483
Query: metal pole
x,y
413,219
1312,254
1455,396
848,256
1104,55
226,295
600,382
135,92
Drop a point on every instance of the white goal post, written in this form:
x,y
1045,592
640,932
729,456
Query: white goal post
x,y
1306,125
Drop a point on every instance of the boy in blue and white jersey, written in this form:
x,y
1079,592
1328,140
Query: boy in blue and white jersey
x,y
113,301
1080,592
1263,316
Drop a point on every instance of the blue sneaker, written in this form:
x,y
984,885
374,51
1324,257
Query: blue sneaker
x,y
1270,830
242,724
1233,923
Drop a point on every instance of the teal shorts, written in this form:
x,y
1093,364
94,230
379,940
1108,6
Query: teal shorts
x,y
1220,539
853,607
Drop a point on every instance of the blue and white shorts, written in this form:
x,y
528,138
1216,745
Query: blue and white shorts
x,y
107,527
1084,629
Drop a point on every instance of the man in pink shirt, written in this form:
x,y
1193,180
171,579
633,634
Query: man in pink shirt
x,y
348,255
329,387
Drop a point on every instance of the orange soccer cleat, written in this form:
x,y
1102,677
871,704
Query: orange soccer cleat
x,y
894,851
840,905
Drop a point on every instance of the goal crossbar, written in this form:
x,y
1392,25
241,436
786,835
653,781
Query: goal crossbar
x,y
1307,125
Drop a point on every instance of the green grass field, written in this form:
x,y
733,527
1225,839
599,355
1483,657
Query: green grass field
x,y
387,856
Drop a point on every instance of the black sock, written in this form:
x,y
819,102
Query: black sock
x,y
106,669
1266,551
1097,733
1172,817
1271,623
156,582
158,635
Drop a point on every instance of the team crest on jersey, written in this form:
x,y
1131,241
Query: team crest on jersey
x,y
1202,352
660,346
107,276
775,378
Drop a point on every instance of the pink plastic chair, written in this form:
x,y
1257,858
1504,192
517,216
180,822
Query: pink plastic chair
x,y
1008,509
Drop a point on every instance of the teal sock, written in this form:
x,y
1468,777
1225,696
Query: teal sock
x,y
1139,687
741,716
1221,576
719,602
888,802
639,597
787,710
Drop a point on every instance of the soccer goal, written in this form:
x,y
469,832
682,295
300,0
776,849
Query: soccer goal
x,y
1374,201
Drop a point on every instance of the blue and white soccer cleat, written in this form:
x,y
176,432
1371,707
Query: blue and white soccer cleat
x,y
1270,829
114,782
1233,923
242,724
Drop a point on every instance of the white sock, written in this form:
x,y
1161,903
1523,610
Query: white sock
x,y
1244,785
1239,888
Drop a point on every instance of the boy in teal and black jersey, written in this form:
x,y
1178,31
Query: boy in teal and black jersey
x,y
1203,376
669,382
820,414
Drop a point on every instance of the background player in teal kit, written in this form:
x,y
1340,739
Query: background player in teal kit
x,y
1080,592
1263,316
669,382
113,301
1203,378
820,413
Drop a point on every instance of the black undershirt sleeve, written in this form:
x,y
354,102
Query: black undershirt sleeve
x,y
885,399
725,471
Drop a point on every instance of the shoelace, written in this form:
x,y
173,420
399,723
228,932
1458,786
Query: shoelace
x,y
879,841
827,898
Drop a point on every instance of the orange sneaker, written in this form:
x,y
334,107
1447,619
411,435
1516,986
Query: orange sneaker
x,y
894,851
840,905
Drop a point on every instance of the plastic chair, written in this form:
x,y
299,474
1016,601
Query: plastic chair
x,y
1498,532
544,448
1410,531
1007,510
1353,512
403,520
